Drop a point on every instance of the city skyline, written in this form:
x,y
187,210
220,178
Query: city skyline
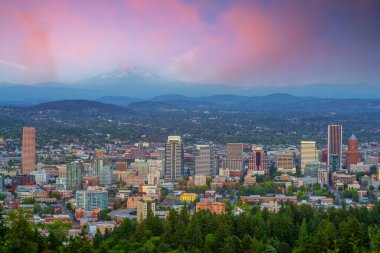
x,y
190,126
234,43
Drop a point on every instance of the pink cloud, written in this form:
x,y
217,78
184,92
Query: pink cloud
x,y
36,51
239,43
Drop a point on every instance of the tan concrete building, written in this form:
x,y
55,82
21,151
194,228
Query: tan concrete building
x,y
144,206
234,159
308,154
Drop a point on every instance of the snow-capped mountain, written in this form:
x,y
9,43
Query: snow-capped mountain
x,y
129,72
125,75
132,81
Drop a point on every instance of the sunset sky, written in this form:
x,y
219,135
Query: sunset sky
x,y
243,43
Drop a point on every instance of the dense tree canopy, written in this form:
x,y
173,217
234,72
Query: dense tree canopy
x,y
293,229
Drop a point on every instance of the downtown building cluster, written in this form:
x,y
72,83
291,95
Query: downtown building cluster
x,y
129,180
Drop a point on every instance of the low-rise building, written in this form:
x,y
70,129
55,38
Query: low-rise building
x,y
188,197
359,167
249,180
90,200
208,205
342,177
272,206
278,198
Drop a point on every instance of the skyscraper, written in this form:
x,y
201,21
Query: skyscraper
x,y
334,147
28,149
258,162
98,165
352,155
173,158
234,161
308,154
203,160
74,175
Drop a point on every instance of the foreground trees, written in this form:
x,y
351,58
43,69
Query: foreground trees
x,y
293,229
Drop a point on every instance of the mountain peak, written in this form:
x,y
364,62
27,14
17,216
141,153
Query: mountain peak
x,y
129,72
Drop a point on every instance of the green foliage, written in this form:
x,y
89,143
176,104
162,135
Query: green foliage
x,y
21,236
29,201
79,243
55,195
258,189
351,193
197,189
104,214
373,169
68,206
37,208
374,237
295,228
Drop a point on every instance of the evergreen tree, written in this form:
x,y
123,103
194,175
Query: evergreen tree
x,y
222,232
79,243
141,232
98,239
184,214
154,224
193,235
210,242
324,237
53,242
246,243
3,228
374,237
21,236
180,233
231,245
169,227
303,237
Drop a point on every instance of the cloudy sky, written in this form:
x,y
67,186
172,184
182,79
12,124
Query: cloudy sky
x,y
243,43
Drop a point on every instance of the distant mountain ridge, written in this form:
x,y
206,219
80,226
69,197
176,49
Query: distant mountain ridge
x,y
167,103
79,106
118,100
151,106
139,84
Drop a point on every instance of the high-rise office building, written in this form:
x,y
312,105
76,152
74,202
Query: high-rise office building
x,y
258,162
105,176
174,158
234,159
28,149
98,165
308,154
74,174
334,147
352,155
203,160
285,161
311,169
